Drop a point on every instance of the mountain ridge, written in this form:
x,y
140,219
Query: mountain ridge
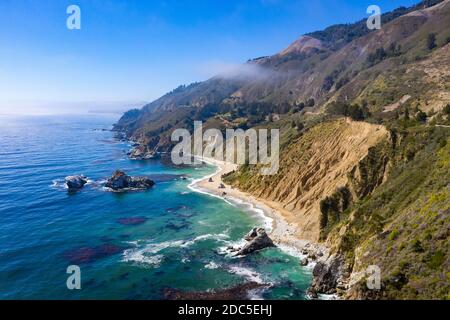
x,y
307,69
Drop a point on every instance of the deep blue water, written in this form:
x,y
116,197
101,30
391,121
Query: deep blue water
x,y
44,229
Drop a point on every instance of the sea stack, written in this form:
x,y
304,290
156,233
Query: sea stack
x,y
120,181
75,182
257,239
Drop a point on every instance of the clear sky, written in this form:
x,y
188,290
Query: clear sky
x,y
132,51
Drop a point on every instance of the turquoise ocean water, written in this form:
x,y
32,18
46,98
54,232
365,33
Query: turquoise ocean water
x,y
130,245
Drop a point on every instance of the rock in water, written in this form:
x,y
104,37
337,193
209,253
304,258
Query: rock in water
x,y
304,262
257,240
75,182
121,181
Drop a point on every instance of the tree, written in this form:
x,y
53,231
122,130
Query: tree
x,y
300,105
355,112
328,83
377,56
447,109
394,50
421,116
431,41
311,102
342,82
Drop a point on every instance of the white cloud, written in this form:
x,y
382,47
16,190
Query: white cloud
x,y
247,71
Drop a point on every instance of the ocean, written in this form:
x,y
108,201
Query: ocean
x,y
136,245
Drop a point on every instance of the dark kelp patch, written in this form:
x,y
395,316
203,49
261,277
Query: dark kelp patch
x,y
90,254
133,221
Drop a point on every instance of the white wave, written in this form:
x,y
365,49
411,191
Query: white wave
x,y
328,297
224,250
149,253
185,260
141,258
252,208
55,184
292,251
247,273
218,237
59,184
212,265
256,294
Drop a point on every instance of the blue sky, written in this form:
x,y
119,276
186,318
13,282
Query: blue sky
x,y
132,51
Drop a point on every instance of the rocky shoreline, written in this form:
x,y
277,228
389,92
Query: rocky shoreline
x,y
138,151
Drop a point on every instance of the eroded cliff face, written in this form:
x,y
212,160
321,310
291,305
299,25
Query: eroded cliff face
x,y
326,158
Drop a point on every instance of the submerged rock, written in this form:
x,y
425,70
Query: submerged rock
x,y
75,182
239,292
121,181
257,240
134,221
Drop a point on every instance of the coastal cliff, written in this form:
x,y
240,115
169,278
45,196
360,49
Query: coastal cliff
x,y
324,160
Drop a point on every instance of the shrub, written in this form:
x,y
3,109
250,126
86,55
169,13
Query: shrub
x,y
311,102
393,235
421,116
377,56
342,82
436,260
328,83
356,112
431,41
447,109
416,246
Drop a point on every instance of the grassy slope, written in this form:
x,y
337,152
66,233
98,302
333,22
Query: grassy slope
x,y
403,226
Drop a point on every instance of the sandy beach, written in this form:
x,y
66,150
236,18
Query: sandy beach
x,y
281,231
